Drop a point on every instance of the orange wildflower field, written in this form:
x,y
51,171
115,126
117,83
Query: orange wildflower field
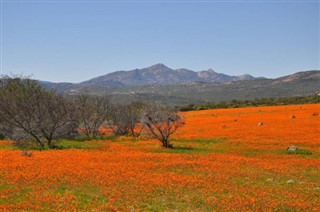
x,y
222,160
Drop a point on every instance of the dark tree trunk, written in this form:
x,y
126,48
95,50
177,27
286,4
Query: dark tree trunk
x,y
50,144
166,144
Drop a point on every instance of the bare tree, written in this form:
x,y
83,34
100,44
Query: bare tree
x,y
119,120
135,110
58,118
31,113
4,129
162,123
93,112
124,118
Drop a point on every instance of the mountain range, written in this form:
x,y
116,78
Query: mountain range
x,y
162,75
163,85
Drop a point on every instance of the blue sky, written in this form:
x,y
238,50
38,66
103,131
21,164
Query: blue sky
x,y
74,41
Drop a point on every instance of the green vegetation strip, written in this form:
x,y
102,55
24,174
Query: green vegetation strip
x,y
193,146
314,99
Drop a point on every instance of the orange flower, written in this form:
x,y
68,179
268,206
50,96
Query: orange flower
x,y
250,174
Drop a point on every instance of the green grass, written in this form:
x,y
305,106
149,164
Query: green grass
x,y
302,152
299,152
182,150
61,144
200,141
72,144
251,152
85,138
194,146
7,146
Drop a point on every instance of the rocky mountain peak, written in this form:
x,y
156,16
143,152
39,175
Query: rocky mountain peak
x,y
158,66
211,71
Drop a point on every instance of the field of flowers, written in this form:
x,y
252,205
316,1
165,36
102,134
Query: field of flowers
x,y
222,160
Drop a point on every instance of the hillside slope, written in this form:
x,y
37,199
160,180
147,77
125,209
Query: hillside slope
x,y
301,83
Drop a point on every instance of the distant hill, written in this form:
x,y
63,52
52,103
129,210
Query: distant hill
x,y
299,77
62,86
161,75
160,84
